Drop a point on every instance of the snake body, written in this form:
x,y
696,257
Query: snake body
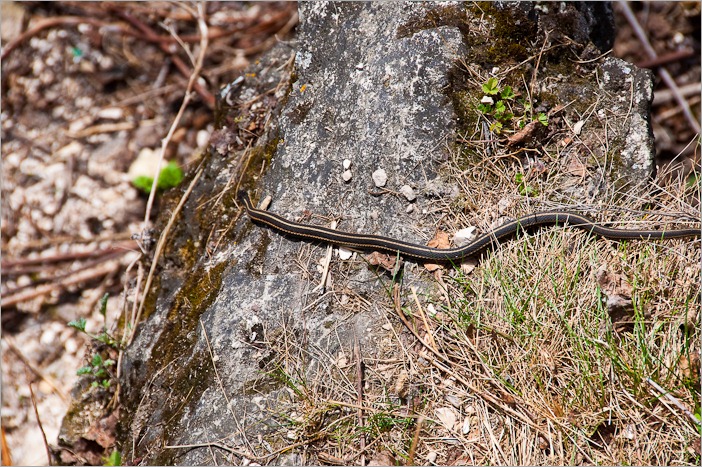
x,y
476,247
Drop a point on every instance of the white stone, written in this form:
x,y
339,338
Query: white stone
x,y
465,429
202,138
578,127
111,113
487,100
344,254
380,178
446,416
408,192
431,309
145,164
347,175
431,457
347,164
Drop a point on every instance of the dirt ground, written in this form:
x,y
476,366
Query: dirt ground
x,y
89,91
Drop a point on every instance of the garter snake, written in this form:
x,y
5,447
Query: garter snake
x,y
424,253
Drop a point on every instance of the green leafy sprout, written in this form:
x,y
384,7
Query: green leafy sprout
x,y
500,103
114,459
170,176
523,187
99,366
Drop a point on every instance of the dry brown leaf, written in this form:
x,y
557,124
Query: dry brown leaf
x,y
440,240
329,459
103,431
508,398
565,141
619,304
576,167
401,384
690,368
613,283
691,319
387,262
383,458
525,135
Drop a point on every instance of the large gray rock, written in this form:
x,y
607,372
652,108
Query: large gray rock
x,y
377,84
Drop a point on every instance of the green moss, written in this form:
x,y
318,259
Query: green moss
x,y
452,15
512,29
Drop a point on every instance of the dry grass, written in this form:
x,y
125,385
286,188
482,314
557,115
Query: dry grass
x,y
552,351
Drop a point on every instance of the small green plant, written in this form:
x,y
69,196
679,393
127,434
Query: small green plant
x,y
500,103
99,366
383,422
496,103
523,186
170,176
104,337
113,459
99,370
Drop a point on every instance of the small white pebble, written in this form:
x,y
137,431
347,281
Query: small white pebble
x,y
380,178
431,457
111,113
48,337
387,326
487,100
71,346
465,429
431,310
202,138
347,164
408,193
578,127
409,209
343,253
346,176
464,236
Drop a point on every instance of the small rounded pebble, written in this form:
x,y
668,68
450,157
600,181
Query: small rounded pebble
x,y
380,178
71,346
408,193
409,209
344,254
111,113
347,164
465,429
431,457
346,176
